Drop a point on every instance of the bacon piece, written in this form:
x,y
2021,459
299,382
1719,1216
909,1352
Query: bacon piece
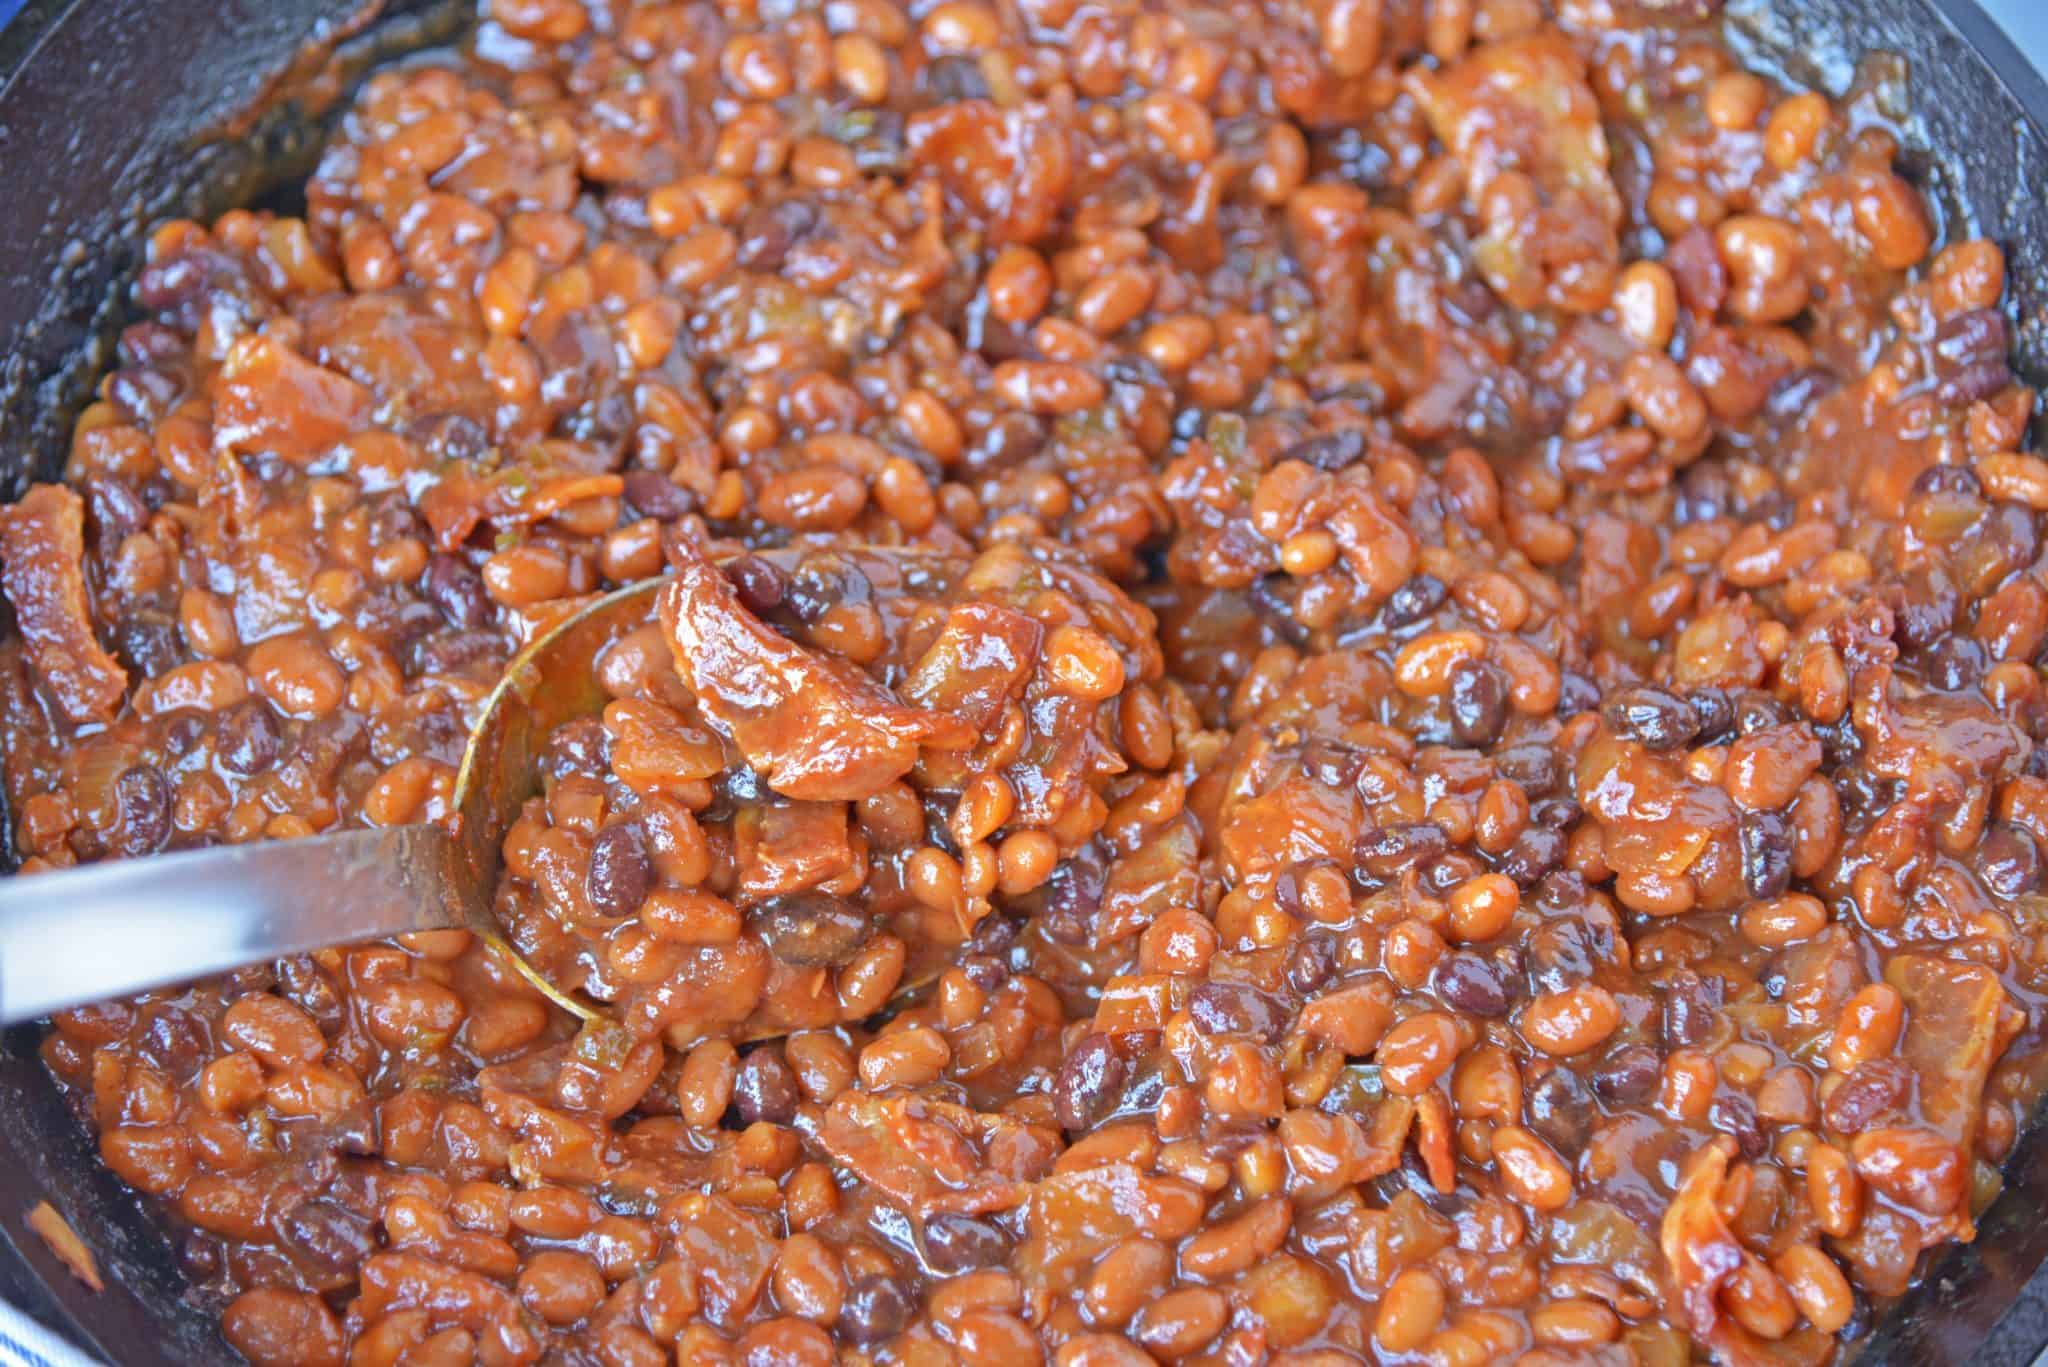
x,y
815,726
267,397
42,545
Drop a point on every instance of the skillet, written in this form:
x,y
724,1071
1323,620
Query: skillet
x,y
117,114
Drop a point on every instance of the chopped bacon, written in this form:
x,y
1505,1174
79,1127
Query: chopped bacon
x,y
1703,1254
919,1152
815,726
267,397
42,568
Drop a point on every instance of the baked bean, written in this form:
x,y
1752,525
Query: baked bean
x,y
559,1286
1868,1027
1529,1169
1794,130
1416,1052
1816,1286
1766,267
1570,1021
905,1058
1482,908
1019,285
1410,1311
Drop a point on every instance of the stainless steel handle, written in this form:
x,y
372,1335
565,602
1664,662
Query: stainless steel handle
x,y
108,930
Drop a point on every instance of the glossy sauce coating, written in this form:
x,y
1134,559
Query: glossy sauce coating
x,y
1417,622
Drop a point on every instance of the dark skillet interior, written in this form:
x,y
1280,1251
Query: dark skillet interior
x,y
111,113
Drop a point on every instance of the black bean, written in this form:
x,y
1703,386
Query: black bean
x,y
1629,1075
144,393
458,591
1310,963
1704,493
199,1257
985,971
451,436
961,1243
183,733
994,936
759,583
1532,767
1331,763
1561,892
1414,600
743,785
1007,441
1090,1079
1229,1008
765,1088
1875,1091
1559,954
2008,861
173,1041
876,1309
1575,694
769,231
1448,870
118,511
1795,395
1690,1004
1734,1114
1926,610
1975,338
653,494
1650,716
1386,851
1478,702
453,649
149,643
1330,451
301,980
166,284
1958,480
1952,664
1534,855
1714,713
811,929
143,798
1560,1108
950,79
811,592
1973,382
1073,896
1759,712
353,1132
328,1237
1766,841
152,344
1471,983
621,872
581,747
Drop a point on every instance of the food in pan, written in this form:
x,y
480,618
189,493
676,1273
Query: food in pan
x,y
1453,775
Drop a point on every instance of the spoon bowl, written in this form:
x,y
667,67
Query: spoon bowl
x,y
74,936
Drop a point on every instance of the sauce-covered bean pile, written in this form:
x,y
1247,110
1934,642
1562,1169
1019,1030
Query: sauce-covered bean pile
x,y
1342,680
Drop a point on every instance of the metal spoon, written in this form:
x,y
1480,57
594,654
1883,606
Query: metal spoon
x,y
112,929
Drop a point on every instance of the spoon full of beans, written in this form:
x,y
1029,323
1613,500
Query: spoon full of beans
x,y
111,929
693,698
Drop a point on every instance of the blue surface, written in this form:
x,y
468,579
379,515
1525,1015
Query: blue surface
x,y
2025,21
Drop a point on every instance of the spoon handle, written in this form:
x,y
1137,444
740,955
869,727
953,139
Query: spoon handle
x,y
107,930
